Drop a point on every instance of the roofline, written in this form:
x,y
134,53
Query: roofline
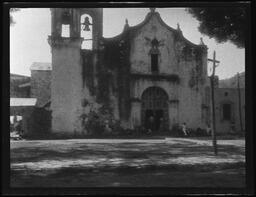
x,y
147,18
230,88
41,69
24,85
132,28
19,75
33,65
23,105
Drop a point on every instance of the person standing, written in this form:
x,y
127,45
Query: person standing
x,y
184,129
208,129
151,124
161,125
232,127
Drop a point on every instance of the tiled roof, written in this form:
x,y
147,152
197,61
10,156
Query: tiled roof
x,y
41,66
18,102
17,76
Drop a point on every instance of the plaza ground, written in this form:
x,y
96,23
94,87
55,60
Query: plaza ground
x,y
168,162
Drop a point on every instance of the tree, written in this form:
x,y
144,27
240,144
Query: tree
x,y
12,22
223,24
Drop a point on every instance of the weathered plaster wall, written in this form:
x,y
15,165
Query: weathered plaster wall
x,y
190,99
41,86
15,90
223,126
66,86
171,61
70,95
140,47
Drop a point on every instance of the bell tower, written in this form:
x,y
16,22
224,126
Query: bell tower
x,y
67,88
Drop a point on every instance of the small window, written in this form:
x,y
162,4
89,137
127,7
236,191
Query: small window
x,y
226,111
154,62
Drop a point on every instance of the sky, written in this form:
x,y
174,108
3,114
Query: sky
x,y
28,36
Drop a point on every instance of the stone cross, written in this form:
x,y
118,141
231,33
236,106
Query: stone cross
x,y
214,140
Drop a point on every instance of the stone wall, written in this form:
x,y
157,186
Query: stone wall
x,y
41,86
172,61
140,47
69,91
15,90
66,85
229,96
190,99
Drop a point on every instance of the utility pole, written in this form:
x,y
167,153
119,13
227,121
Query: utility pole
x,y
239,101
214,140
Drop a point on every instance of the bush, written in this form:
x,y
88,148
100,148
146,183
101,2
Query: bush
x,y
101,122
91,123
177,131
197,132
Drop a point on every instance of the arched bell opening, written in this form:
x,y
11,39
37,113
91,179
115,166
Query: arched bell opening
x,y
65,30
86,31
66,19
155,107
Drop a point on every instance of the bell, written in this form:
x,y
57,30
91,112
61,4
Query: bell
x,y
86,24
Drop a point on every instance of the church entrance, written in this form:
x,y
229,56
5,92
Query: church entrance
x,y
155,109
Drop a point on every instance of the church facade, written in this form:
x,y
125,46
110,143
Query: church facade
x,y
148,70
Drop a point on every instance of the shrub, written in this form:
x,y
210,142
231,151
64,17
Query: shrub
x,y
101,122
197,132
92,123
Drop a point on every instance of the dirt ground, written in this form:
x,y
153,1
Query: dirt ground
x,y
170,162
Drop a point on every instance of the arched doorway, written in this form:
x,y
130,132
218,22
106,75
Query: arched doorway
x,y
155,104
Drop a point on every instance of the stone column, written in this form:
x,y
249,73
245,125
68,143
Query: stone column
x,y
173,112
135,114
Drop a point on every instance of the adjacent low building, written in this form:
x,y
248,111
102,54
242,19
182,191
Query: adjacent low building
x,y
23,107
41,82
230,108
19,86
30,98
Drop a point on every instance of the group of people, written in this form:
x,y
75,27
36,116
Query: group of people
x,y
151,125
16,125
185,130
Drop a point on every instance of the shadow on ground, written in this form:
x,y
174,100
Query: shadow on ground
x,y
83,163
